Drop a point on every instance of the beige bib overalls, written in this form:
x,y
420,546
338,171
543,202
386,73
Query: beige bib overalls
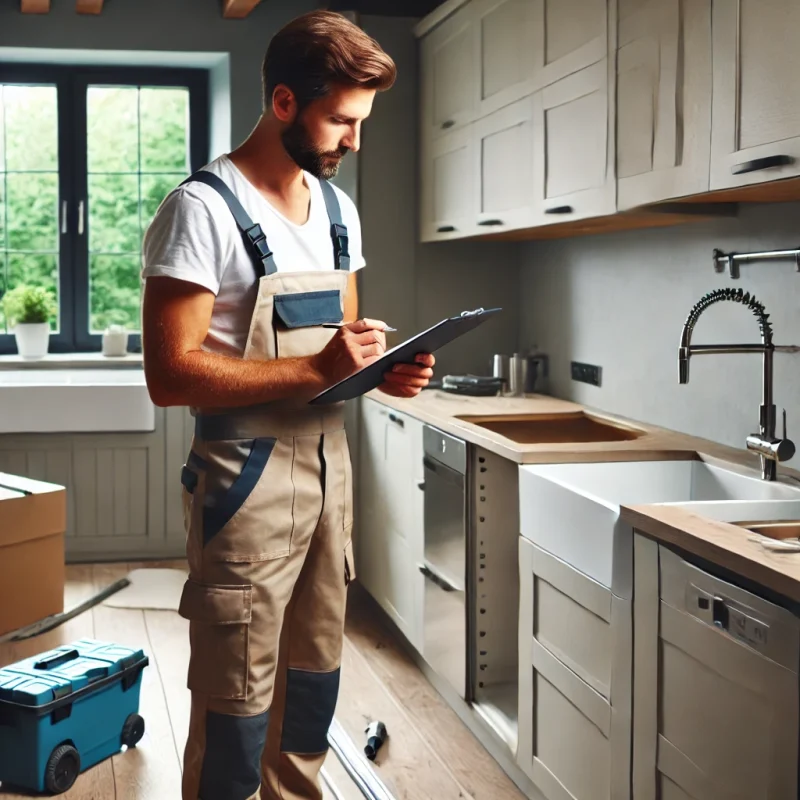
x,y
268,512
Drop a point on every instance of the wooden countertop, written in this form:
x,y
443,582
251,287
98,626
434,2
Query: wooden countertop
x,y
444,410
718,542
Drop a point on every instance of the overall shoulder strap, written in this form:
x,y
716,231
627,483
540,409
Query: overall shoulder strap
x,y
256,241
341,252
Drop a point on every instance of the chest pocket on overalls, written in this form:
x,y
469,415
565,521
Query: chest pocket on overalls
x,y
298,317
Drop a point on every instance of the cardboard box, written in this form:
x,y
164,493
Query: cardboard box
x,y
33,520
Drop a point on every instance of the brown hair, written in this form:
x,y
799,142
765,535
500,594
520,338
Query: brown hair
x,y
319,49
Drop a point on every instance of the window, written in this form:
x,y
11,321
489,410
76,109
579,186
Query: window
x,y
86,157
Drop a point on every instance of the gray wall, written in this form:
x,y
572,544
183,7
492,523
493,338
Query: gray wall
x,y
157,25
620,301
413,285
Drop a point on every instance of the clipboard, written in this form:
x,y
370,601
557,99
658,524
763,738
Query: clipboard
x,y
428,341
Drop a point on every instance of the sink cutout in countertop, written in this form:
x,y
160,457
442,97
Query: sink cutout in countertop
x,y
566,428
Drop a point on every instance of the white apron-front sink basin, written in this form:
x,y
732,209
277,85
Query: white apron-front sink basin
x,y
75,401
573,510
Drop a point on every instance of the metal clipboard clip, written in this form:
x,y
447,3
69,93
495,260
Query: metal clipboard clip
x,y
472,313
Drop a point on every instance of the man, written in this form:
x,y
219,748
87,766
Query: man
x,y
244,266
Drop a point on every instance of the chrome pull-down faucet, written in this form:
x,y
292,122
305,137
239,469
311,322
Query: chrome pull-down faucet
x,y
771,449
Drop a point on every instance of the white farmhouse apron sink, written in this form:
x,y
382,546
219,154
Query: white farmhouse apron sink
x,y
573,510
75,401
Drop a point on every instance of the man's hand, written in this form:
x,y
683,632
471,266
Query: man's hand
x,y
354,346
408,380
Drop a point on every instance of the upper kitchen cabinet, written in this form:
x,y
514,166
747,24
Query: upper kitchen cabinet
x,y
448,186
573,130
504,32
449,76
568,36
756,99
504,163
663,100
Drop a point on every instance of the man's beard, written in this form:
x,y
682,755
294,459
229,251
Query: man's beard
x,y
322,164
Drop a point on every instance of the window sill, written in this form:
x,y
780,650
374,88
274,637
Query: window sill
x,y
72,361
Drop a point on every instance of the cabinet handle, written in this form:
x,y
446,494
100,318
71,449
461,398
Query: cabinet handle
x,y
448,124
491,222
397,419
559,210
757,164
445,229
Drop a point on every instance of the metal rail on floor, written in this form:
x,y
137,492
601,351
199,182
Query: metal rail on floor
x,y
356,765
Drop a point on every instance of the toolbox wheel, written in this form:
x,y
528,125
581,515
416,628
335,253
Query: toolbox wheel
x,y
132,730
63,767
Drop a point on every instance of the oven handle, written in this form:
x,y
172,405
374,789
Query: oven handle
x,y
441,582
443,471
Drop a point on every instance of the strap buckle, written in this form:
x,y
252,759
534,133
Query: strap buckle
x,y
258,241
340,239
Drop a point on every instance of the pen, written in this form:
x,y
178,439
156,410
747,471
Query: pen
x,y
387,329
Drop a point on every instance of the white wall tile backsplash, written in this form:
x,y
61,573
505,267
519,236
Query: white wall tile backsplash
x,y
620,300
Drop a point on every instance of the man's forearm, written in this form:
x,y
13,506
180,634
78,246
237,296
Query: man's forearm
x,y
210,380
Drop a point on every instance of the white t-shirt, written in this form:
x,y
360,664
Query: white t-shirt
x,y
194,237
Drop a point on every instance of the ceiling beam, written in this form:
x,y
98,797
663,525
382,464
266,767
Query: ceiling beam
x,y
35,6
238,9
89,6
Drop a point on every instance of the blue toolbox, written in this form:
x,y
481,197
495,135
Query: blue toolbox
x,y
66,710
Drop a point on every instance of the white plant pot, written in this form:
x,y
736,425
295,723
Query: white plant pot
x,y
33,339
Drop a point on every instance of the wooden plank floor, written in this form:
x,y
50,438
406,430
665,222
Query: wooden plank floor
x,y
429,755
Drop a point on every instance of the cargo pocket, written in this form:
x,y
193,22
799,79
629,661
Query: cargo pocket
x,y
219,635
349,563
298,317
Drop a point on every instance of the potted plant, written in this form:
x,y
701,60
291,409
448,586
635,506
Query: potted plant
x,y
28,310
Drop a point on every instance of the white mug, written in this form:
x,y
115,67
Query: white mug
x,y
115,341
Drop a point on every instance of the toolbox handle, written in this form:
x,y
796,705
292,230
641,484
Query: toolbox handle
x,y
57,660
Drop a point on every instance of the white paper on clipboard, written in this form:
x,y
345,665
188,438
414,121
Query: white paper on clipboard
x,y
427,341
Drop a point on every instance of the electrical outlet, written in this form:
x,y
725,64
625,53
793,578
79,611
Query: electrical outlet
x,y
586,373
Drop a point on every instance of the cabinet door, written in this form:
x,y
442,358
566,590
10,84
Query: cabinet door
x,y
447,62
568,36
449,187
663,100
755,135
574,153
504,33
503,151
390,529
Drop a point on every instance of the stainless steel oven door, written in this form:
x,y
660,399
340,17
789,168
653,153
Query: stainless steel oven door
x,y
445,564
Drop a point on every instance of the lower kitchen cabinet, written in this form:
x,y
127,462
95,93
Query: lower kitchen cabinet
x,y
389,546
716,686
574,681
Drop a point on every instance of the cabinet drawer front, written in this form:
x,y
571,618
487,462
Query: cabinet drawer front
x,y
572,620
572,733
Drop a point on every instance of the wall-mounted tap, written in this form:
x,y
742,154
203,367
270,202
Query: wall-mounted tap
x,y
771,449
